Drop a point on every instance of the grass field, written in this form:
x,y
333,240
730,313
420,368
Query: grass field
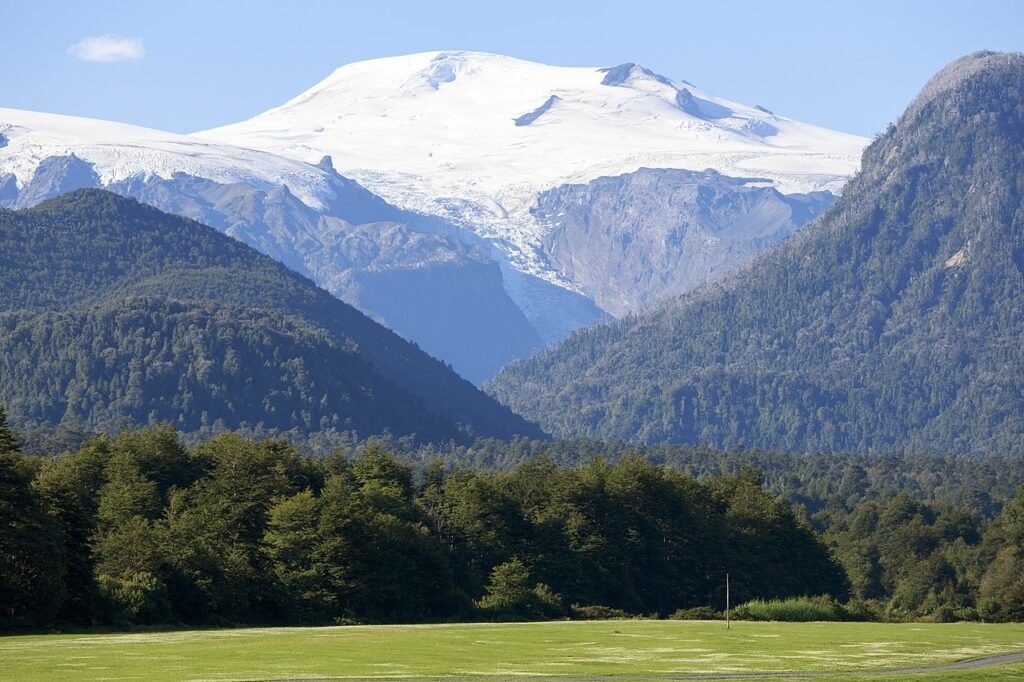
x,y
562,649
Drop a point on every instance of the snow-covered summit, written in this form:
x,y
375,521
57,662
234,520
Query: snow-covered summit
x,y
119,151
495,130
476,139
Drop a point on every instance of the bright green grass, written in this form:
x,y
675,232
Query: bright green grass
x,y
619,648
992,674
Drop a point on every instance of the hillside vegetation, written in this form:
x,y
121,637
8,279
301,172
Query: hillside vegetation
x,y
893,323
115,312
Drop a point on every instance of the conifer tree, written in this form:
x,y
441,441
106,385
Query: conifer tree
x,y
9,440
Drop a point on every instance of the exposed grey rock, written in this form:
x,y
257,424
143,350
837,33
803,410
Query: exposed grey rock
x,y
699,107
274,222
632,239
617,75
446,296
686,102
527,119
8,190
54,176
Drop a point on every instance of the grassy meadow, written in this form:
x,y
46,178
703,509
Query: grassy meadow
x,y
557,649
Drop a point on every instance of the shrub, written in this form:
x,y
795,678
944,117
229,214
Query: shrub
x,y
794,609
597,612
141,596
508,591
943,613
697,613
870,610
550,603
510,597
968,613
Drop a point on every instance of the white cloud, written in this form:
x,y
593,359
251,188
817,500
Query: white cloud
x,y
107,49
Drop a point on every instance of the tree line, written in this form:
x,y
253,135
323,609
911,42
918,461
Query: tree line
x,y
140,528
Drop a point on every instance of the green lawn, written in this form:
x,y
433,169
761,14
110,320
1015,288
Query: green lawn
x,y
615,648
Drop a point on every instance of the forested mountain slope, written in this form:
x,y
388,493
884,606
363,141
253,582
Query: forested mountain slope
x,y
317,222
892,323
115,310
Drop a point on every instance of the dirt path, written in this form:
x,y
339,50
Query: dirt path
x,y
959,665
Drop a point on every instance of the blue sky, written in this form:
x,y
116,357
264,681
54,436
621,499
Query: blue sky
x,y
852,66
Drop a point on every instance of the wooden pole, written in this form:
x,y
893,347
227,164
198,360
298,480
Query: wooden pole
x,y
728,623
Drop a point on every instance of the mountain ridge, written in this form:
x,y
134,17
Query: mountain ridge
x,y
300,214
888,324
90,261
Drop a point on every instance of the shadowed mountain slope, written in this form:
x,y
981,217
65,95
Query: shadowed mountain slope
x,y
113,309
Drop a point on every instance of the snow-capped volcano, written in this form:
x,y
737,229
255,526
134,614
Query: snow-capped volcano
x,y
476,136
506,195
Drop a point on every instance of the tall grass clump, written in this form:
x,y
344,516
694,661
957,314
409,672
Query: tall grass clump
x,y
793,609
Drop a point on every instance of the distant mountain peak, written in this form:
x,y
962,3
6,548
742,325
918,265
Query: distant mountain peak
x,y
426,128
619,75
472,137
476,138
960,71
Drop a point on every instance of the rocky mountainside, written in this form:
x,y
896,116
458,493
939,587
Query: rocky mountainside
x,y
630,240
891,323
114,310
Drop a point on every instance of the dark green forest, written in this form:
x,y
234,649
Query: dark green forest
x,y
892,323
114,312
138,528
810,480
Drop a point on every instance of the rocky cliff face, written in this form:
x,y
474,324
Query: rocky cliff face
x,y
445,295
630,240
